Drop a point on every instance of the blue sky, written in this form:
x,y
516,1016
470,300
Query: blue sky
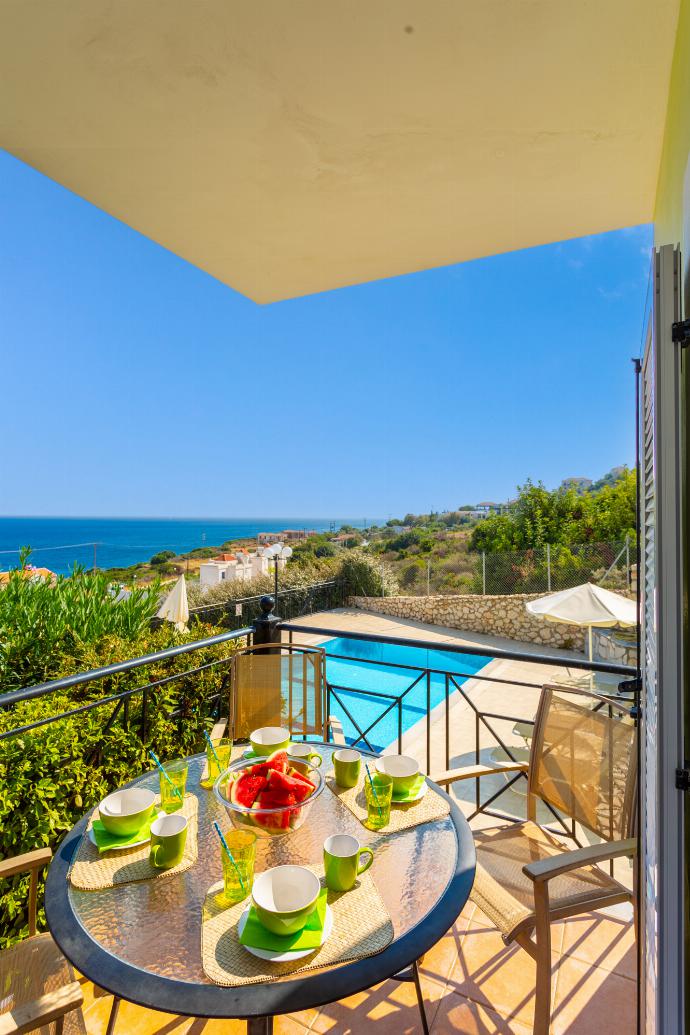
x,y
134,384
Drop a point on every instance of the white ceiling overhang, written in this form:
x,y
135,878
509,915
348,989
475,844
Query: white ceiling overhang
x,y
293,146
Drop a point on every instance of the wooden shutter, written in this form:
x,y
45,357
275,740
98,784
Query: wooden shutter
x,y
661,866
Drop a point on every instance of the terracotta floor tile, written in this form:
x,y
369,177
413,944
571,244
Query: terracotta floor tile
x,y
457,1015
590,999
496,976
386,1009
605,941
134,1020
440,960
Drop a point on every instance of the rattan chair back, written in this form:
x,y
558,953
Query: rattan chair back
x,y
584,761
279,684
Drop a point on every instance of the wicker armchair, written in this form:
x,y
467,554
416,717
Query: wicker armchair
x,y
38,984
281,684
583,765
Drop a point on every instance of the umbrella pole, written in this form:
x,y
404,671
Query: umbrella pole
x,y
591,674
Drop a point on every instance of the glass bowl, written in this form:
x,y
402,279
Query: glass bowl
x,y
274,822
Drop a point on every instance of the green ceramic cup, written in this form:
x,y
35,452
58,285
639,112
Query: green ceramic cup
x,y
168,837
341,860
348,765
268,739
285,897
305,753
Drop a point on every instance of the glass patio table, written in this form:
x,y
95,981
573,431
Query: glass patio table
x,y
142,942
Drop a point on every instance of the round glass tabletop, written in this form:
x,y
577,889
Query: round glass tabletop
x,y
142,941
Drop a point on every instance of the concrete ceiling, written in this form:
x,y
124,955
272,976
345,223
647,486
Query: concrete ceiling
x,y
293,146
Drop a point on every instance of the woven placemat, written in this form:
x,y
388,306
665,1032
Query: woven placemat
x,y
428,809
361,927
92,871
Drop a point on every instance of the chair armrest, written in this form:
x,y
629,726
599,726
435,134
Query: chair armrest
x,y
471,772
336,728
35,860
42,1011
545,869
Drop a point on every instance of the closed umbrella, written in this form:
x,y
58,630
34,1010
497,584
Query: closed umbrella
x,y
587,606
175,608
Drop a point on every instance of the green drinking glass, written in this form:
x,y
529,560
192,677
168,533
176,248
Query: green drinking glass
x,y
242,844
173,785
218,754
379,794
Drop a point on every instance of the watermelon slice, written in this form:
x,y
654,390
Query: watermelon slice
x,y
269,799
297,775
278,761
282,783
246,789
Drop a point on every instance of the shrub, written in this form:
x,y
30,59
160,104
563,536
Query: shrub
x,y
162,557
367,576
51,775
40,622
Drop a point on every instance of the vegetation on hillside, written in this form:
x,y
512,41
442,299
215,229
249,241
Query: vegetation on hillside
x,y
581,524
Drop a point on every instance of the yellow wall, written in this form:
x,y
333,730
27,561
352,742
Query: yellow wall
x,y
669,216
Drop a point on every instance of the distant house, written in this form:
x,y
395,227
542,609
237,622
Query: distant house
x,y
288,535
31,573
238,566
488,508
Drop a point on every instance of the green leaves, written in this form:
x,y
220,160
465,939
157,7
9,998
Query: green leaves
x,y
40,621
50,776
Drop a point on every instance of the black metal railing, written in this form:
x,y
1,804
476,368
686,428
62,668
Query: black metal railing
x,y
120,700
484,720
338,693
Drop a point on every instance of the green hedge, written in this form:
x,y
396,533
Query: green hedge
x,y
51,776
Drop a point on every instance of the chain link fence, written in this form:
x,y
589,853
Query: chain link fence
x,y
544,570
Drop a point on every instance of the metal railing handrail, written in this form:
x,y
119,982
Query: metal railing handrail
x,y
496,653
256,597
66,682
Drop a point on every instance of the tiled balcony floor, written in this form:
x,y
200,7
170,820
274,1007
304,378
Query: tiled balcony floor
x,y
473,985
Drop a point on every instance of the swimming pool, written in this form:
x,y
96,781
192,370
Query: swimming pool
x,y
360,668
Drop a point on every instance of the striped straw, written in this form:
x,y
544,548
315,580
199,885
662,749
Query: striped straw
x,y
229,854
373,789
213,750
157,760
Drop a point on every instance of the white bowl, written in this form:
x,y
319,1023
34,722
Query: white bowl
x,y
285,897
403,769
268,739
123,812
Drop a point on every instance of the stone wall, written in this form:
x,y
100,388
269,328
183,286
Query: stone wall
x,y
493,615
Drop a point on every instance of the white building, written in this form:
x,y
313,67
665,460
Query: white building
x,y
238,566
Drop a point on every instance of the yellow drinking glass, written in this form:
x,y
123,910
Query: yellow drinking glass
x,y
218,754
173,784
242,844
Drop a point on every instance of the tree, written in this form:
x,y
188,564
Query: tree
x,y
162,557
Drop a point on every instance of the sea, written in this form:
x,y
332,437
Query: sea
x,y
59,543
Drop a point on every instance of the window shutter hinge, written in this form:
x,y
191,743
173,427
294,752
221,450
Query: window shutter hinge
x,y
683,779
680,332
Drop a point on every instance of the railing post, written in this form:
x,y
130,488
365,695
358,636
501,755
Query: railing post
x,y
484,572
548,567
627,561
265,627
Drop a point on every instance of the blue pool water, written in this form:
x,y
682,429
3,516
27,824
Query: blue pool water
x,y
360,669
